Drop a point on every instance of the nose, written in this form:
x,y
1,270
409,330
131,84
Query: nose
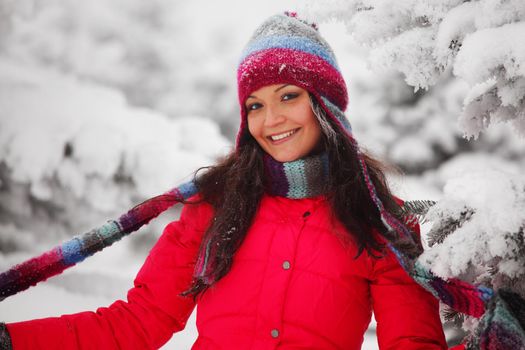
x,y
273,117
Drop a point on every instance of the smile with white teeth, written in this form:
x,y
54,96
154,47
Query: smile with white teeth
x,y
283,135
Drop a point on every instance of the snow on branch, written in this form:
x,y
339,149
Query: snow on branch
x,y
478,229
481,42
60,132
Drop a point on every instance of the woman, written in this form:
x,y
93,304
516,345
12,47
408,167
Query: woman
x,y
285,246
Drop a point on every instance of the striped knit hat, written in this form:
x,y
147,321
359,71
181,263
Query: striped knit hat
x,y
286,49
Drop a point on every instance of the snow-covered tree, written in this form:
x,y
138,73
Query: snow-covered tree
x,y
478,232
417,131
88,92
70,150
480,42
74,146
151,51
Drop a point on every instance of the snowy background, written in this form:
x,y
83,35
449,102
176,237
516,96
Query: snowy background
x,y
106,103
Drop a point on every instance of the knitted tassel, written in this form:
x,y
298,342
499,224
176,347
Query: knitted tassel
x,y
203,264
499,328
459,295
53,262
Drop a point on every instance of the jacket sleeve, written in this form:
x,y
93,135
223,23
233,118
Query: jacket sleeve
x,y
407,315
154,309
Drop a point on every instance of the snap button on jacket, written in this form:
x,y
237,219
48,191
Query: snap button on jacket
x,y
294,284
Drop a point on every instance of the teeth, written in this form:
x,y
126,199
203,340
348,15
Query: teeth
x,y
282,136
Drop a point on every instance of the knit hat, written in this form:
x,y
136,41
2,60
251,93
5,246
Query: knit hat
x,y
286,49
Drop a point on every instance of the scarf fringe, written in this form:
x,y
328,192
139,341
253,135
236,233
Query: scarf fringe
x,y
500,328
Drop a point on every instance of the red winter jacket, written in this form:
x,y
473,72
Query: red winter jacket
x,y
294,284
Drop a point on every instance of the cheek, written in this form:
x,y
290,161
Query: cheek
x,y
249,123
313,125
253,127
315,135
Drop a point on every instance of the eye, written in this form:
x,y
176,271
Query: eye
x,y
253,106
289,96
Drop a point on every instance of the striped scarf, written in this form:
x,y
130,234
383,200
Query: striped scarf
x,y
302,178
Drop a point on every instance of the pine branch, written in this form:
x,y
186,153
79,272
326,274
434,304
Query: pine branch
x,y
417,209
438,233
519,239
451,315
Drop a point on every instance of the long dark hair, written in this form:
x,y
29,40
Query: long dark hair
x,y
235,186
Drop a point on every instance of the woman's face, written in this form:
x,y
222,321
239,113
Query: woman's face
x,y
282,122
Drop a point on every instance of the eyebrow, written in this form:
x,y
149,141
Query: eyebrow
x,y
279,88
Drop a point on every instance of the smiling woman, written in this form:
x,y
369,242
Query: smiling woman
x,y
281,120
291,241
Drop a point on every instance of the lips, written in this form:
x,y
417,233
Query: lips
x,y
282,136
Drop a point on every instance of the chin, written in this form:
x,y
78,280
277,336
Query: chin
x,y
285,158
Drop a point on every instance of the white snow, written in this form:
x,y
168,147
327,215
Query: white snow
x,y
498,203
411,48
43,113
481,40
484,54
457,23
